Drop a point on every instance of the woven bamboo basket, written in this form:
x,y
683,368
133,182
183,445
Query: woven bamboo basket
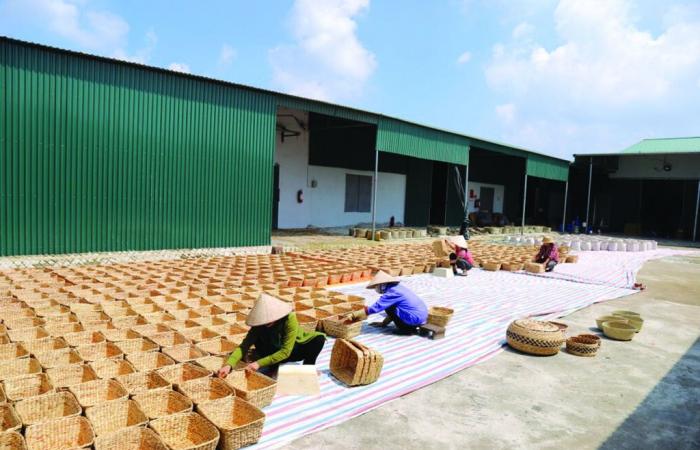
x,y
212,363
112,368
169,339
151,329
47,407
162,402
27,334
582,346
203,390
535,337
440,315
491,266
199,334
11,368
102,350
149,360
12,351
27,386
9,421
253,387
138,345
66,376
307,322
143,381
12,440
113,416
99,391
218,346
617,329
23,322
355,364
45,345
129,321
342,328
182,372
60,357
66,433
571,259
120,334
534,267
239,422
135,438
184,353
186,431
512,266
62,329
79,338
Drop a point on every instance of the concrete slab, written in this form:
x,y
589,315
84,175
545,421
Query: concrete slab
x,y
639,394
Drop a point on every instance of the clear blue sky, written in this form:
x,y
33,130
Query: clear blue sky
x,y
560,77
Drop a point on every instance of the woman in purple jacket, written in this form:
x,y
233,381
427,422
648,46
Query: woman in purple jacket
x,y
401,305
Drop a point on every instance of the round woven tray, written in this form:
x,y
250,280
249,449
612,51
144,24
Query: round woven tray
x,y
534,337
583,345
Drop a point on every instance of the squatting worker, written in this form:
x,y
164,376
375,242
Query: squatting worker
x,y
548,254
402,306
277,337
461,258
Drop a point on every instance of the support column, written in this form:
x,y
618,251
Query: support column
x,y
522,222
697,206
588,201
466,192
563,216
374,193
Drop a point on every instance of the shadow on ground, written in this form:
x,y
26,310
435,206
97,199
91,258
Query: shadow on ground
x,y
669,417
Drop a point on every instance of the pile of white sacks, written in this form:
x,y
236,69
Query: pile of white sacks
x,y
578,243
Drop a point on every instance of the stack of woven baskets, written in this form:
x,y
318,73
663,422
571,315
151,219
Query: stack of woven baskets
x,y
545,338
354,363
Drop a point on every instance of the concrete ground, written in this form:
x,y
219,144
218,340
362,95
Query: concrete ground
x,y
633,395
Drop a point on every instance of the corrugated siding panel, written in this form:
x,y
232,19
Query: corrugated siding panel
x,y
325,108
394,136
551,169
98,156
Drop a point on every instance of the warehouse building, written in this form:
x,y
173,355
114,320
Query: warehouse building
x,y
651,188
104,155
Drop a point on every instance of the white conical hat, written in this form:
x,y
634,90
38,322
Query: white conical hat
x,y
380,278
267,309
459,241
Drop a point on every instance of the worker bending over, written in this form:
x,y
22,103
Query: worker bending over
x,y
401,305
461,258
548,254
277,337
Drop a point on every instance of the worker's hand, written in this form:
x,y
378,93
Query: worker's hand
x,y
224,371
253,367
360,314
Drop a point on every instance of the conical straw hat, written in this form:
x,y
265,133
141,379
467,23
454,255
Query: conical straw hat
x,y
548,240
380,278
459,241
267,309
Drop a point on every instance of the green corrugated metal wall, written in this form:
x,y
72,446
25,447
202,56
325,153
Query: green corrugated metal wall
x,y
543,167
325,108
99,156
395,136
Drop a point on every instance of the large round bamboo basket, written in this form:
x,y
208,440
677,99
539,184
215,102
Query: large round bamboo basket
x,y
534,337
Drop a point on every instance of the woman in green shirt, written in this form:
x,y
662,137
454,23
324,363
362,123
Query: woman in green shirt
x,y
277,337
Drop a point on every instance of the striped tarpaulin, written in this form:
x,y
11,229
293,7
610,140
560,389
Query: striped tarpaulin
x,y
484,303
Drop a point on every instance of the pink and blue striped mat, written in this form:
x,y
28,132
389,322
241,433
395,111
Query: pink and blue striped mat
x,y
484,303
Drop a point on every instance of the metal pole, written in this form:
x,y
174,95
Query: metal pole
x,y
697,206
588,202
563,217
522,222
374,193
466,191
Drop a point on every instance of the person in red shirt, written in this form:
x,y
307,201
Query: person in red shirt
x,y
548,254
461,258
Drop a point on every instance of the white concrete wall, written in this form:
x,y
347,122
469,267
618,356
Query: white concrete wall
x,y
684,167
498,195
324,205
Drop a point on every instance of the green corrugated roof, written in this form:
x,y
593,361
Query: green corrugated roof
x,y
665,145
